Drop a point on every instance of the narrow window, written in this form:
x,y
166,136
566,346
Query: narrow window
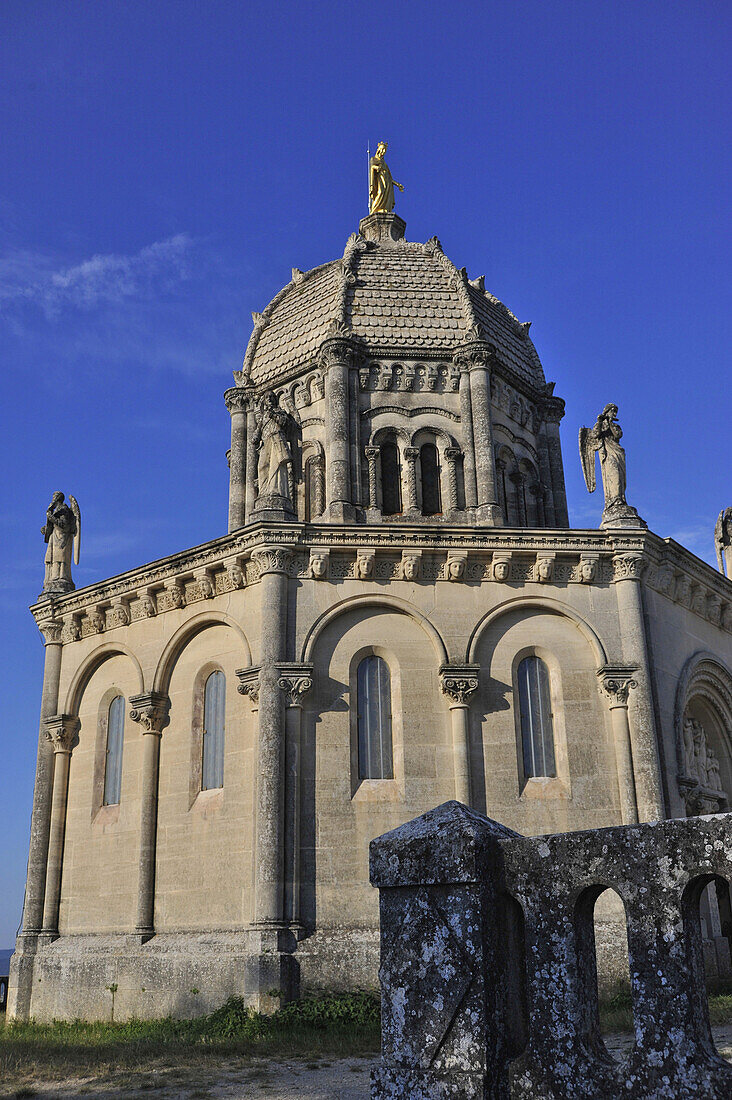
x,y
431,503
214,701
113,762
537,732
374,720
391,488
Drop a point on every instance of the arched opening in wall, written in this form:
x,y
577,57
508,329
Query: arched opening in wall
x,y
603,968
430,470
374,716
707,912
707,755
391,480
537,719
506,473
514,975
314,488
113,754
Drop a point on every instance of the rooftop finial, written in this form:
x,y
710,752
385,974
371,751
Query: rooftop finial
x,y
381,184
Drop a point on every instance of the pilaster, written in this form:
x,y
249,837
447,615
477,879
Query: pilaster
x,y
615,683
151,711
458,684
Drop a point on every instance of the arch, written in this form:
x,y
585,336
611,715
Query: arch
x,y
543,603
706,675
385,434
427,430
391,603
184,634
96,658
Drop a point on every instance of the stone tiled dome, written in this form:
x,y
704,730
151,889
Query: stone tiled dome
x,y
397,297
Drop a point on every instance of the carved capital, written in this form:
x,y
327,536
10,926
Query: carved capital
x,y
151,710
615,682
51,630
295,681
458,683
273,559
237,399
249,684
411,454
474,353
372,453
628,567
61,729
453,453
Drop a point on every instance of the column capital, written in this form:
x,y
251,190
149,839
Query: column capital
x,y
372,452
340,347
273,559
628,566
151,710
249,683
61,729
51,630
615,682
411,454
458,683
453,453
295,681
238,398
475,352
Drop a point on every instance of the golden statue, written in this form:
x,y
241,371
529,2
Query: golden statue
x,y
381,185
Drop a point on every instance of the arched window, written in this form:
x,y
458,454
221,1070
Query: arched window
x,y
429,465
391,480
535,709
374,719
214,702
113,762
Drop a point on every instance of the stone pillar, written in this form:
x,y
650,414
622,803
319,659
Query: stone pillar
x,y
337,356
273,563
458,683
151,710
251,463
295,682
553,413
373,455
519,481
237,402
466,424
615,684
452,454
411,454
542,450
60,732
627,569
42,795
476,355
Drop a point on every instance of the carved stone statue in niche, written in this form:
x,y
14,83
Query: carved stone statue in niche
x,y
62,533
604,439
723,541
274,463
699,758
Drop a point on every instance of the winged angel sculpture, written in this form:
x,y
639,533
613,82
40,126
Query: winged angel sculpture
x,y
604,440
62,533
723,541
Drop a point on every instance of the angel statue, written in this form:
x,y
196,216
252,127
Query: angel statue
x,y
723,541
274,466
62,532
381,184
604,439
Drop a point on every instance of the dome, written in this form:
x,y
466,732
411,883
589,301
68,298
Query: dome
x,y
399,298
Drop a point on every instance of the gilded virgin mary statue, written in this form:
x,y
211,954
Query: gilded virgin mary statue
x,y
381,184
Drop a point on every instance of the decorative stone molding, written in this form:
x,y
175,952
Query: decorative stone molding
x,y
410,377
72,629
61,729
249,683
318,564
456,563
295,681
628,567
545,568
459,682
148,606
615,683
97,620
119,614
273,559
151,710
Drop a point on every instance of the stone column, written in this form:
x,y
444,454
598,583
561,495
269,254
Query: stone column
x,y
237,402
337,357
542,450
553,413
295,682
373,454
251,463
458,683
519,481
41,817
476,354
615,684
61,730
466,424
151,710
628,569
411,454
452,454
274,563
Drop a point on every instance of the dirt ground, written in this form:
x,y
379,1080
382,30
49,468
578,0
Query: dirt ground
x,y
239,1079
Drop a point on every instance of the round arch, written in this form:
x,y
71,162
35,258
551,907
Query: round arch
x,y
543,603
389,603
85,672
705,676
184,634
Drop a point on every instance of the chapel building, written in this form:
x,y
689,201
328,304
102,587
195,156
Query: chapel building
x,y
399,615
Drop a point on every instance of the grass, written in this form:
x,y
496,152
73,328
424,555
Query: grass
x,y
146,1054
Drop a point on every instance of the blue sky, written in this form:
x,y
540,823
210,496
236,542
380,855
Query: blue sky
x,y
165,164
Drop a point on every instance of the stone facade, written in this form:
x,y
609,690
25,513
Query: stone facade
x,y
405,383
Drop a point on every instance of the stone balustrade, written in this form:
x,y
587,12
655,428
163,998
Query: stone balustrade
x,y
488,964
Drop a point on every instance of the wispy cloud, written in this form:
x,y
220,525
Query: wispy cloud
x,y
104,279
